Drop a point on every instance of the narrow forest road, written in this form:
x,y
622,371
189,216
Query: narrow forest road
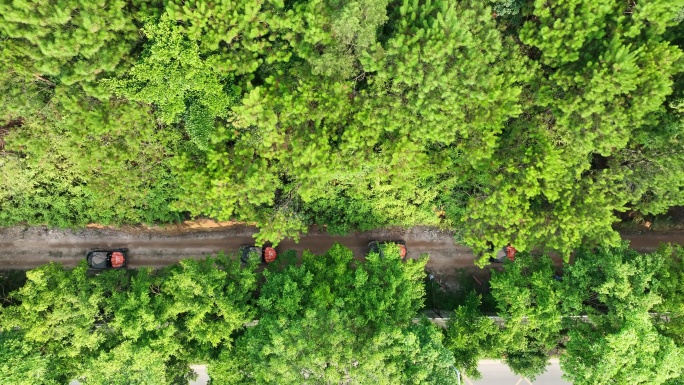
x,y
25,248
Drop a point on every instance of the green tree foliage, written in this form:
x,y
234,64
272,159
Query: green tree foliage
x,y
332,44
20,97
22,364
365,147
142,327
632,352
610,68
671,287
144,343
336,321
77,160
246,166
581,150
69,41
508,121
653,162
618,288
160,323
506,8
130,363
172,76
431,362
56,311
208,299
541,198
227,183
614,317
528,299
528,363
470,336
615,280
237,36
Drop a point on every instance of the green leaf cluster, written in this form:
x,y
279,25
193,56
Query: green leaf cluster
x,y
67,41
614,316
144,327
528,300
624,341
172,75
331,319
337,320
74,160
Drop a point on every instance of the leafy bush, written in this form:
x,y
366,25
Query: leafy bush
x,y
506,7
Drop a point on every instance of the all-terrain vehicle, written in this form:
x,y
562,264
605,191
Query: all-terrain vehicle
x,y
263,254
379,246
506,252
102,259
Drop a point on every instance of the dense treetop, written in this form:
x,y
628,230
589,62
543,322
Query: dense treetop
x,y
614,317
530,122
329,319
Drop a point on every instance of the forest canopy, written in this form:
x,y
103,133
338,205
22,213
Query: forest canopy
x,y
509,121
614,316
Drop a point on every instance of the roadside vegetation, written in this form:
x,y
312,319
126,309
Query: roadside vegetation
x,y
529,122
614,317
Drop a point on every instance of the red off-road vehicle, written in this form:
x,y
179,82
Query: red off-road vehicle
x,y
263,254
506,252
379,246
102,259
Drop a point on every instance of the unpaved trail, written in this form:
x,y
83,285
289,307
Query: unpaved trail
x,y
26,248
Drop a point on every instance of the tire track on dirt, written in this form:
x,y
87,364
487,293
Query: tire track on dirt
x,y
26,248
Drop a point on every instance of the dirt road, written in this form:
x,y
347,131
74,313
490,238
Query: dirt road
x,y
25,248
